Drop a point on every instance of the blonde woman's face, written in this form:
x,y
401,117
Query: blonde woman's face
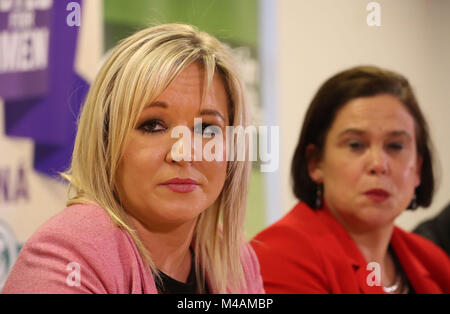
x,y
153,186
370,165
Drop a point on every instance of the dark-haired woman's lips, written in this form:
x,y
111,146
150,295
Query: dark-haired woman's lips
x,y
180,185
377,195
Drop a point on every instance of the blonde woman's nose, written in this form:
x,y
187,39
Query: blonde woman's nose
x,y
179,152
182,150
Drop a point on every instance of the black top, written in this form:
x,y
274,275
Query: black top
x,y
406,284
168,285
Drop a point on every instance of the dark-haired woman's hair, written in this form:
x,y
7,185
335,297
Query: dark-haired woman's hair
x,y
361,81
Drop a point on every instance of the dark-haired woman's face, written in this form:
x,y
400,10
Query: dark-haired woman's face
x,y
370,166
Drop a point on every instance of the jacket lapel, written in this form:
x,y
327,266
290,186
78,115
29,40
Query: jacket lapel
x,y
417,274
353,255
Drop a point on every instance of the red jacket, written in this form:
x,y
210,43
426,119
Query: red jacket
x,y
308,251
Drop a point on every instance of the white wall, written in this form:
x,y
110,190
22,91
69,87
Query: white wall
x,y
319,38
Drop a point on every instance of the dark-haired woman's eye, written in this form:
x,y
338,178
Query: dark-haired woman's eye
x,y
152,126
356,145
395,146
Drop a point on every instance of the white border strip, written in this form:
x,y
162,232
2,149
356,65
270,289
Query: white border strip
x,y
268,56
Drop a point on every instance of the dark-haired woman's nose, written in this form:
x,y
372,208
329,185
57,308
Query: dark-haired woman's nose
x,y
378,164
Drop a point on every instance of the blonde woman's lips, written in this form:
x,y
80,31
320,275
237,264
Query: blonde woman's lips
x,y
181,185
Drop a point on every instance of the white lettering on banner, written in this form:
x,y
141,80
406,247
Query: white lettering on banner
x,y
15,169
13,184
38,4
29,5
21,19
6,5
24,50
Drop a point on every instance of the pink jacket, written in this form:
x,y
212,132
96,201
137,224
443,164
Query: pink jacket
x,y
81,250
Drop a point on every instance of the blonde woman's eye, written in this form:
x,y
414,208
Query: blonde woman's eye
x,y
152,126
207,130
211,130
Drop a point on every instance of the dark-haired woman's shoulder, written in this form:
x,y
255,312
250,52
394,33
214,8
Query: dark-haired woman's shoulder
x,y
80,250
290,253
423,261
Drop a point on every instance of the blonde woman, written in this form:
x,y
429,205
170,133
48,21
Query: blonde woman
x,y
142,219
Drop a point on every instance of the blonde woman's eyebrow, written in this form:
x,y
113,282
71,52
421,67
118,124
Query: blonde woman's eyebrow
x,y
157,104
204,112
212,112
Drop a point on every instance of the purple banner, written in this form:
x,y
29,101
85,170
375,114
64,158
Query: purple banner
x,y
24,48
50,120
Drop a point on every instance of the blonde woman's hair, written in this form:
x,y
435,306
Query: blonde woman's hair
x,y
138,70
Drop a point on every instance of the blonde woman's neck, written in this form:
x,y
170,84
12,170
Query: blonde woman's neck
x,y
170,248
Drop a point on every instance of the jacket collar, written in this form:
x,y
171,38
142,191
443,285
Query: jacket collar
x,y
351,251
415,271
349,246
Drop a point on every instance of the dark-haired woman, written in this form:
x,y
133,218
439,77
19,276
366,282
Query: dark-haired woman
x,y
362,159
